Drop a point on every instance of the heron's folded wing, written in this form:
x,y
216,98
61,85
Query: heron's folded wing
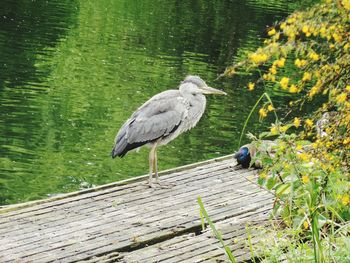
x,y
156,119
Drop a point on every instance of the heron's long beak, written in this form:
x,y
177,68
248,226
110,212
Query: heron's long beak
x,y
209,90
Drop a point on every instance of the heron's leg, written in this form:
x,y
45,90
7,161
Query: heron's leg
x,y
155,166
155,169
152,159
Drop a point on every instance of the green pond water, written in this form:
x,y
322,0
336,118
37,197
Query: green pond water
x,y
71,72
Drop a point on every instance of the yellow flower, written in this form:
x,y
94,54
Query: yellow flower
x,y
306,76
300,63
316,144
262,113
306,224
230,71
291,36
341,98
346,46
347,88
293,89
298,147
346,4
271,32
323,31
258,58
309,123
305,29
314,56
262,175
277,36
345,199
280,62
273,70
305,179
274,130
269,77
270,108
317,74
314,90
284,82
251,86
284,128
291,20
286,166
337,38
336,68
296,122
304,156
283,25
346,141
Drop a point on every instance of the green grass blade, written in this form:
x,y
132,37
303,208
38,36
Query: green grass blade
x,y
250,245
251,113
216,233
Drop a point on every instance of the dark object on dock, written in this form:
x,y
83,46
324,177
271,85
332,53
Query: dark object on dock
x,y
162,118
248,152
243,156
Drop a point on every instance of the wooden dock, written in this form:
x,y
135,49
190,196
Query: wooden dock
x,y
129,222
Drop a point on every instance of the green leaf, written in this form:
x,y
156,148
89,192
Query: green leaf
x,y
271,183
282,189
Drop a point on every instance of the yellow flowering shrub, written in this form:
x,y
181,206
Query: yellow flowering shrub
x,y
310,169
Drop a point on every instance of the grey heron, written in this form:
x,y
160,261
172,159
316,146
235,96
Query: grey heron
x,y
162,118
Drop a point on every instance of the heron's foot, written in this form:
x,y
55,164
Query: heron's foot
x,y
158,184
166,185
152,184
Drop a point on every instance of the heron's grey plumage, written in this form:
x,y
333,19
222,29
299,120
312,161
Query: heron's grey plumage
x,y
163,117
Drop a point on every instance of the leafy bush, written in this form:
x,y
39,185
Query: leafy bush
x,y
308,55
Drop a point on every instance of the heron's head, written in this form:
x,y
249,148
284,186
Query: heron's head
x,y
243,157
195,84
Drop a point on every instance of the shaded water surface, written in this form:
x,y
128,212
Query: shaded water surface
x,y
71,72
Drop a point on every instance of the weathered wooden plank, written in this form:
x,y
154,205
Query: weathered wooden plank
x,y
147,195
121,190
70,197
71,217
155,229
133,241
105,223
198,248
111,210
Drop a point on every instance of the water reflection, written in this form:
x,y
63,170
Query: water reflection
x,y
73,71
